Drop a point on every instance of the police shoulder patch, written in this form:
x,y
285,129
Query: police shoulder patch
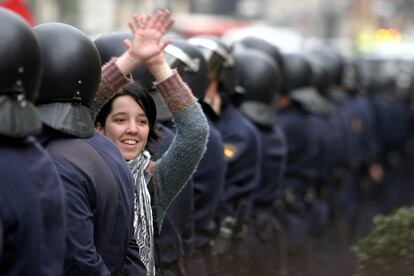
x,y
229,151
357,125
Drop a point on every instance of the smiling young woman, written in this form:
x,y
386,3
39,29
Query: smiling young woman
x,y
124,120
126,115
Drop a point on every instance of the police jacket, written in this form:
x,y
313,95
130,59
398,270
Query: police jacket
x,y
242,150
99,212
273,167
208,183
31,211
303,156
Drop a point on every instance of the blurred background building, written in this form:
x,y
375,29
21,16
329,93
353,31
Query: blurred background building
x,y
354,25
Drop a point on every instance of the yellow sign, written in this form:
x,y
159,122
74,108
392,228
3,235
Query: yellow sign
x,y
370,39
384,35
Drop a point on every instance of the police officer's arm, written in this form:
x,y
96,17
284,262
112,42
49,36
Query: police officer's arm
x,y
146,43
81,256
244,173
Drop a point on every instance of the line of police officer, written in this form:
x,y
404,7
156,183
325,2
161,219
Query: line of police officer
x,y
301,155
309,158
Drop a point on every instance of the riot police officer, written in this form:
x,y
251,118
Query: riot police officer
x,y
328,230
31,194
303,155
242,152
259,76
99,235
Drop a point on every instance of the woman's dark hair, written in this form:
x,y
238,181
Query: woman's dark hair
x,y
143,99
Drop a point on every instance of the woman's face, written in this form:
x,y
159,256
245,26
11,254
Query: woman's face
x,y
127,126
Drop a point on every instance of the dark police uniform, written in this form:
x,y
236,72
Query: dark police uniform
x,y
178,220
363,150
242,151
301,173
393,113
345,193
266,244
323,215
99,197
209,179
259,76
31,194
400,113
31,210
328,160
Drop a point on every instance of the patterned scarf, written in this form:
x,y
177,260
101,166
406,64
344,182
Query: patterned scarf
x,y
143,220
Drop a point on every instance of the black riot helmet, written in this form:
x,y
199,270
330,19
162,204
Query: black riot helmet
x,y
266,47
190,64
321,77
299,84
376,73
216,53
112,45
259,76
228,84
334,61
298,72
20,70
70,80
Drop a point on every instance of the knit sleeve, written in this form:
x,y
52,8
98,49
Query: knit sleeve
x,y
112,80
178,163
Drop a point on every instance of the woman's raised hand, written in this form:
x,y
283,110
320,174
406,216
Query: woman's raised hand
x,y
147,44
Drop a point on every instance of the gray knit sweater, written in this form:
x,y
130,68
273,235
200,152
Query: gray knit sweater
x,y
179,162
